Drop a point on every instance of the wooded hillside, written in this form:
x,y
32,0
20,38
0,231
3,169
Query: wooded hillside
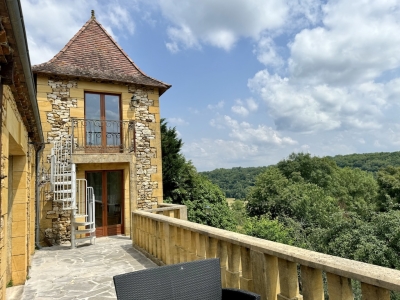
x,y
236,182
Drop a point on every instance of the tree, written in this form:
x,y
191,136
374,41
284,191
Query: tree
x,y
207,205
174,165
389,188
183,185
264,197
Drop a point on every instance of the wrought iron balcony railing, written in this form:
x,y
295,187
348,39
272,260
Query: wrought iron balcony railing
x,y
103,136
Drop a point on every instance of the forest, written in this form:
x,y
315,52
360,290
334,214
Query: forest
x,y
306,201
237,181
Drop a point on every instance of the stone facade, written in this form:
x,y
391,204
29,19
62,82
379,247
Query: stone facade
x,y
60,120
144,151
17,219
60,100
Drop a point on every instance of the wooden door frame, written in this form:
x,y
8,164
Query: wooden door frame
x,y
104,213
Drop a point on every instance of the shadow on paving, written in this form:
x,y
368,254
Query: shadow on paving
x,y
86,272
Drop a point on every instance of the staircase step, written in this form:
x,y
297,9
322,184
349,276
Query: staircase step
x,y
90,230
63,191
82,223
62,200
80,216
63,174
63,182
86,238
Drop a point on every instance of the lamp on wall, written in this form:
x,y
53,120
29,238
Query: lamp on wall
x,y
134,102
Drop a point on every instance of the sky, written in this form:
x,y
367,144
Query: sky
x,y
253,80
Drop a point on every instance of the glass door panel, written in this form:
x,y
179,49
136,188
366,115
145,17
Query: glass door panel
x,y
95,180
108,191
114,197
92,119
112,117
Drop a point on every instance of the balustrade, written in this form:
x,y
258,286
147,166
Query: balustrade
x,y
103,136
273,270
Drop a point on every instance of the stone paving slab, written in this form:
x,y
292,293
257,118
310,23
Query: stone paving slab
x,y
86,272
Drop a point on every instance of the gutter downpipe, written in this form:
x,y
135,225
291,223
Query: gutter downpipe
x,y
17,23
37,197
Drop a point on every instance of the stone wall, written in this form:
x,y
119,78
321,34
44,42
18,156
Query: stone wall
x,y
60,120
144,151
17,195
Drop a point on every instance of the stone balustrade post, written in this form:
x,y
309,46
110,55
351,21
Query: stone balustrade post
x,y
246,281
371,292
339,288
223,255
201,246
167,242
188,245
312,283
159,233
233,274
288,280
212,248
193,245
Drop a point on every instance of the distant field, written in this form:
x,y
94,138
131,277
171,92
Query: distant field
x,y
230,201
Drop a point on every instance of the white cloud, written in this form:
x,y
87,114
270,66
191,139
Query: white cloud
x,y
246,132
51,24
267,53
358,41
219,105
220,23
177,121
244,108
336,78
311,108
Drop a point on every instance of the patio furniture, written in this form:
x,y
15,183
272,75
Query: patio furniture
x,y
200,279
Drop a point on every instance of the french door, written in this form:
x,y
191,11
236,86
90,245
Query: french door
x,y
108,191
102,122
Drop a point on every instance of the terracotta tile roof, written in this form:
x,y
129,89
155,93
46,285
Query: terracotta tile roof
x,y
93,53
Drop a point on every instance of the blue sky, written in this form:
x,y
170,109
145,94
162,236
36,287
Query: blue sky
x,y
253,80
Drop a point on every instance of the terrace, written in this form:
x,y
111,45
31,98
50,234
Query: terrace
x,y
164,236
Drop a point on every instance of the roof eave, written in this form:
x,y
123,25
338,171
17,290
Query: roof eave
x,y
161,86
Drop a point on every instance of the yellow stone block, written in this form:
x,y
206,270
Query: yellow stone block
x,y
157,193
19,245
19,212
18,277
156,177
19,180
45,106
42,80
77,112
19,229
20,163
154,109
76,93
153,96
102,87
19,262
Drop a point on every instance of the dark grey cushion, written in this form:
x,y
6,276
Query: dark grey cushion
x,y
199,279
194,280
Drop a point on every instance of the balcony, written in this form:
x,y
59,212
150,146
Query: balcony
x,y
273,270
103,136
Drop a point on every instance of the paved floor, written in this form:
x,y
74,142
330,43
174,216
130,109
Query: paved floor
x,y
86,272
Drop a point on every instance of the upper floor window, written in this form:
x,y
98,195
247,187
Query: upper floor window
x,y
102,121
102,106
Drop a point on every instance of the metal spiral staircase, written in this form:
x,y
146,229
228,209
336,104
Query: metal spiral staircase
x,y
73,194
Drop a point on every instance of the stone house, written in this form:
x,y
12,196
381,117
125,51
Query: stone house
x,y
21,140
96,102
